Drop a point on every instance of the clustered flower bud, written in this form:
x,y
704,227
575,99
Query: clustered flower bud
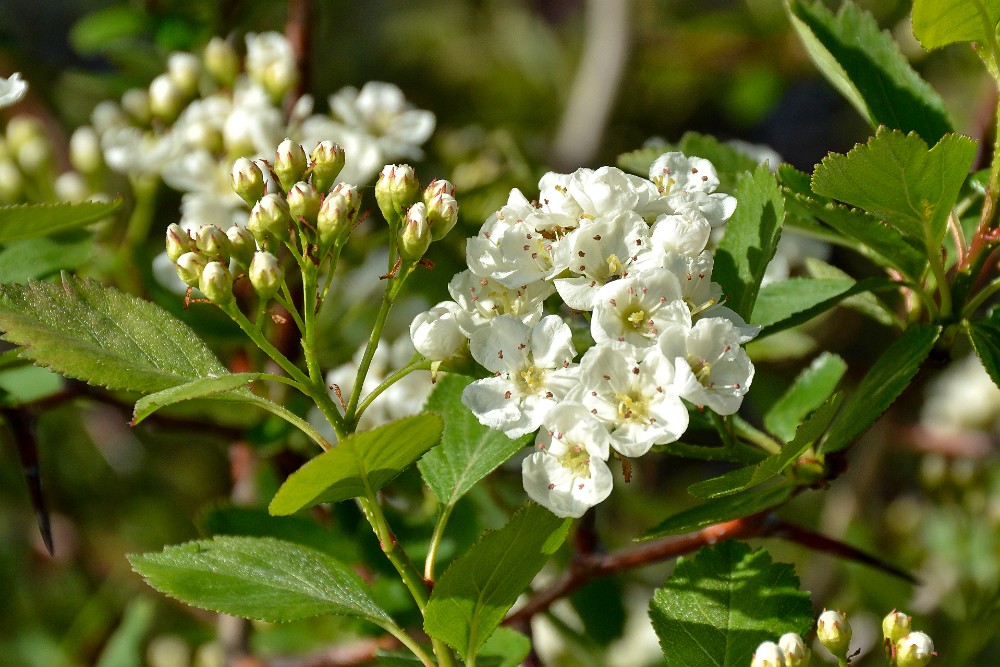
x,y
834,632
178,242
794,650
290,163
415,236
896,625
242,244
396,189
221,61
270,217
184,69
248,180
216,283
914,650
328,159
190,266
165,99
304,202
768,654
265,274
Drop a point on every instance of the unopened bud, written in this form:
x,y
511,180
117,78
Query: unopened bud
x,y
767,655
271,184
442,214
23,130
165,99
221,61
328,160
178,242
435,333
290,163
896,625
184,69
396,190
85,150
334,221
436,187
304,202
834,632
213,243
914,650
216,283
71,186
270,217
34,155
415,236
352,195
247,180
794,650
242,244
271,63
135,102
11,182
190,266
265,274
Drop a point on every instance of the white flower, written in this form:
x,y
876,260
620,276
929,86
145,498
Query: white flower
x,y
685,232
381,111
711,367
254,125
12,89
436,334
636,308
768,655
567,472
794,650
129,150
483,299
631,391
532,373
271,62
689,181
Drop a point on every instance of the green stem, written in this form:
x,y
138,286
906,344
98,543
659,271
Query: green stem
x,y
309,308
388,298
136,231
264,344
418,365
943,287
991,38
286,301
436,542
980,241
294,420
975,302
408,641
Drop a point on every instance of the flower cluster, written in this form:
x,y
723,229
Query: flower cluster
x,y
628,254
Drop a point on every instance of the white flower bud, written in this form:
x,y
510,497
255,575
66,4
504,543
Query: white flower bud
x,y
396,190
242,244
334,220
352,195
290,163
213,243
178,242
12,89
914,650
442,214
328,160
265,274
794,650
34,155
304,202
834,632
436,334
270,62
768,655
415,236
22,130
247,180
436,187
184,69
270,216
216,283
190,266
71,186
165,99
11,182
85,150
221,61
135,102
896,625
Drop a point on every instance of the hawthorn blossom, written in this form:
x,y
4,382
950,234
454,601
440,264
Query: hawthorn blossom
x,y
689,181
483,299
567,472
270,62
635,309
435,333
12,89
532,373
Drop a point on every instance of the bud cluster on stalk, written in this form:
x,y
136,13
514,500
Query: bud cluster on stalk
x,y
416,217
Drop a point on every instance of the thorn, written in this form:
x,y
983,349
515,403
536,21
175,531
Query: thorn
x,y
340,396
392,274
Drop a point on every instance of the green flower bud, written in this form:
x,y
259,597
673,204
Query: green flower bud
x,y
334,221
221,61
184,69
290,163
165,99
213,243
767,655
396,190
415,236
442,214
242,244
304,202
178,242
270,217
248,180
85,150
896,625
190,266
914,650
352,195
834,632
216,283
135,102
794,650
265,274
328,160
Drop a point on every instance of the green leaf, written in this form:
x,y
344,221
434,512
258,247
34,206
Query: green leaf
x,y
866,66
93,33
640,160
937,23
200,388
883,383
510,646
717,607
780,300
31,259
124,647
985,337
468,451
258,578
810,389
744,478
476,591
751,236
359,465
738,505
90,332
865,303
738,454
895,177
25,221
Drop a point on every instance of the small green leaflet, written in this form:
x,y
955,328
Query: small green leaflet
x,y
937,23
810,389
201,388
259,578
985,337
359,465
717,607
25,221
744,503
476,591
124,648
788,303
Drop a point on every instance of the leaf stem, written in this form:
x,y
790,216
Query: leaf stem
x,y
309,308
943,287
388,298
408,641
294,420
436,542
415,365
981,297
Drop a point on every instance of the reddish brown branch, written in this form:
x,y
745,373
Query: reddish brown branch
x,y
297,31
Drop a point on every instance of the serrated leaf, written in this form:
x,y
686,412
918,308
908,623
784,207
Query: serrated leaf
x,y
200,388
738,454
896,178
90,332
881,385
811,388
866,66
865,303
985,337
226,519
749,476
468,451
750,240
358,465
745,503
780,307
937,23
640,160
25,221
258,578
717,607
31,259
509,646
476,591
